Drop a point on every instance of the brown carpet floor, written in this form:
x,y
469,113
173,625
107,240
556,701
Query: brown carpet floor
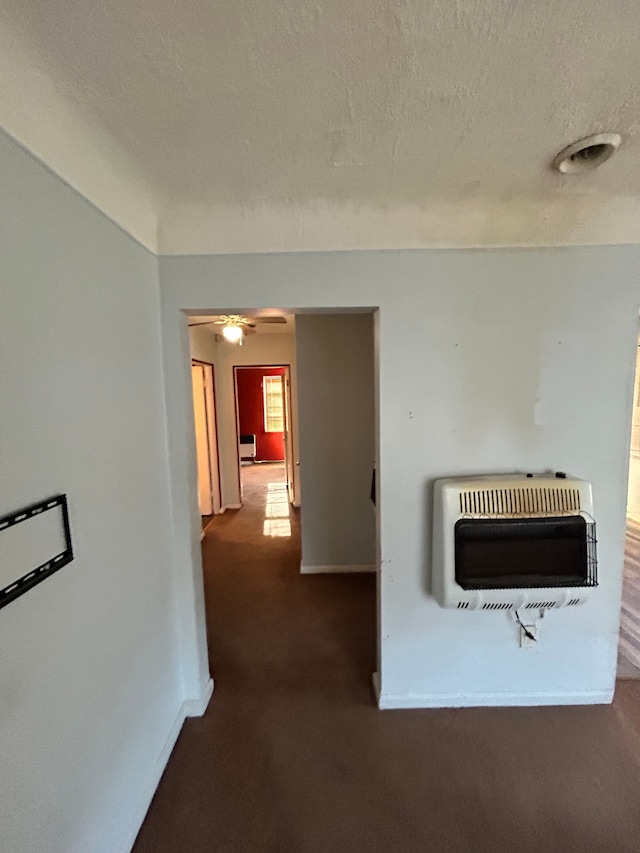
x,y
292,754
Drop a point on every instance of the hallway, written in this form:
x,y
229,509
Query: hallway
x,y
292,756
292,656
271,628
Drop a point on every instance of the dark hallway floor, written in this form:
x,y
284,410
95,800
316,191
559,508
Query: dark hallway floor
x,y
292,754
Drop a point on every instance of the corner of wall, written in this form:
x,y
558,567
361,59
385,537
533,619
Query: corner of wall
x,y
56,132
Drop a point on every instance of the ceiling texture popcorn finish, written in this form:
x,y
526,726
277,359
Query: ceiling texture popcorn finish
x,y
253,125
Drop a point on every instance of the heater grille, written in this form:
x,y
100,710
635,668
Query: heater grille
x,y
531,605
525,553
520,501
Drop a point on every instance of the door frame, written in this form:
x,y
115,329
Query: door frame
x,y
211,408
287,435
632,520
289,462
195,666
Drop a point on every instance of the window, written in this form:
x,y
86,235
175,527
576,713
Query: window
x,y
273,409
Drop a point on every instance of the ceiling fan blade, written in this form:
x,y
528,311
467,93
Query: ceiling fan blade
x,y
238,320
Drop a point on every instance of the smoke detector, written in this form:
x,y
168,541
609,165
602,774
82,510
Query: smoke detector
x,y
588,153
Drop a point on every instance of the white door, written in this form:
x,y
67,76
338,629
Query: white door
x,y
207,462
212,435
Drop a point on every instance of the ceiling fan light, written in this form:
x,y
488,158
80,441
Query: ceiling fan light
x,y
233,334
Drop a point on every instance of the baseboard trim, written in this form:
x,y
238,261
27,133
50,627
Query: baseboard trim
x,y
330,570
232,506
197,707
296,504
202,534
387,702
375,683
189,708
154,780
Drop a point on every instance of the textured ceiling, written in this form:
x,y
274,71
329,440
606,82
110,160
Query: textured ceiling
x,y
247,103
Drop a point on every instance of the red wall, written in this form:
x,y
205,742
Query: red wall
x,y
269,445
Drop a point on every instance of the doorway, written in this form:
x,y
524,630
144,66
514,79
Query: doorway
x,y
260,555
295,589
263,425
629,640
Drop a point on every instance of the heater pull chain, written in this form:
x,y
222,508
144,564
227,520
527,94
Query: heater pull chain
x,y
527,632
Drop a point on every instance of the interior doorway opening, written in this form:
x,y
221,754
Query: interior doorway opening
x,y
263,409
629,639
301,474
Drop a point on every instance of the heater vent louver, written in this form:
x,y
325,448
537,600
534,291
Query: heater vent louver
x,y
463,605
520,501
498,606
540,605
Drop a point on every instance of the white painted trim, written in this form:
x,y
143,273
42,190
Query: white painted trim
x,y
329,570
232,506
375,682
154,780
296,504
202,533
209,523
492,700
197,707
189,708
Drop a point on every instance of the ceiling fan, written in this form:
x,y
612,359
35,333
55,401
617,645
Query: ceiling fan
x,y
235,326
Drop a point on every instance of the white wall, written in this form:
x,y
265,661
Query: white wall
x,y
203,344
89,671
489,361
262,348
337,438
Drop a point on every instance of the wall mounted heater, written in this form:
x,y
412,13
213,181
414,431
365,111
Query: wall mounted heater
x,y
513,542
248,447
